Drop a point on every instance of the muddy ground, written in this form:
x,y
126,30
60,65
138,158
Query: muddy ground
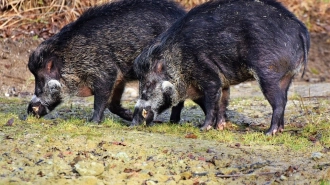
x,y
139,157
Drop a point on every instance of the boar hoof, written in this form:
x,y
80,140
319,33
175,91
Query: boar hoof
x,y
132,126
95,121
271,132
205,128
208,127
221,126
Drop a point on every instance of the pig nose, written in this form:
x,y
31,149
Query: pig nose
x,y
33,109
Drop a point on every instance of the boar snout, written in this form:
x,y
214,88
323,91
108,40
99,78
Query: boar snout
x,y
142,114
37,109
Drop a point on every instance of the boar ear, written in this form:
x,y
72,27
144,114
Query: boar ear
x,y
160,66
167,87
49,66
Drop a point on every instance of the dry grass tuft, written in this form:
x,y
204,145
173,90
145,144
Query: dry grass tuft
x,y
44,18
314,13
41,18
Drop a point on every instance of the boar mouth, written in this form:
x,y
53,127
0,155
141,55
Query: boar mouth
x,y
39,108
148,115
143,113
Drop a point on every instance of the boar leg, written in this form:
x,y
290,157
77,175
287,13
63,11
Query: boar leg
x,y
200,102
100,103
102,92
211,97
176,112
276,94
115,105
224,101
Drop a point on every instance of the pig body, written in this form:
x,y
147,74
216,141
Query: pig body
x,y
94,55
218,44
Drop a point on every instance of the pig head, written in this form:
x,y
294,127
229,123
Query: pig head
x,y
48,89
156,95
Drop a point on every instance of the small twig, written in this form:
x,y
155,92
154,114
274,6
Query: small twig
x,y
241,175
311,97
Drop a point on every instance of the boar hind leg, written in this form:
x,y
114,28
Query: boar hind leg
x,y
211,107
115,105
224,101
276,94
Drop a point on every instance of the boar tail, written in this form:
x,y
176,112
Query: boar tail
x,y
306,48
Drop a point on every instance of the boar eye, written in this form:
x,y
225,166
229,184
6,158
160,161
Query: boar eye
x,y
144,96
38,91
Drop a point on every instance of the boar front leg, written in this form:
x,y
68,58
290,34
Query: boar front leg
x,y
176,110
102,92
100,103
115,105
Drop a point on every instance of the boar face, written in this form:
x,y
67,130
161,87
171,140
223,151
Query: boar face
x,y
47,93
156,95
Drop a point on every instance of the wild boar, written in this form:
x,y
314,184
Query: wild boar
x,y
94,55
218,44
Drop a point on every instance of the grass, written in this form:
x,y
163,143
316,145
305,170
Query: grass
x,y
325,182
314,71
314,135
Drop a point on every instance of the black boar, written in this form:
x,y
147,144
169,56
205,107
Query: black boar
x,y
218,44
94,55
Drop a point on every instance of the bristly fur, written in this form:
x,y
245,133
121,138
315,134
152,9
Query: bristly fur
x,y
162,41
94,55
222,43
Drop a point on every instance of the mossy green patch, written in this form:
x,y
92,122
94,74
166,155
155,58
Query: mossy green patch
x,y
312,135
